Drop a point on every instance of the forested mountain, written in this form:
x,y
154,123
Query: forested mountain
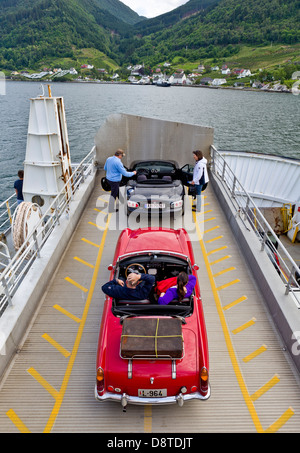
x,y
146,27
32,31
219,29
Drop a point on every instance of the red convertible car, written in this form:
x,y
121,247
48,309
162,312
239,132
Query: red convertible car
x,y
150,353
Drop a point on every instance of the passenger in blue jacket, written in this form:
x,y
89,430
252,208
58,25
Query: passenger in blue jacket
x,y
136,287
114,172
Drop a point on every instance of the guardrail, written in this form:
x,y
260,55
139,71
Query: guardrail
x,y
252,218
16,266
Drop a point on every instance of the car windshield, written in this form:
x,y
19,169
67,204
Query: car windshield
x,y
162,266
156,167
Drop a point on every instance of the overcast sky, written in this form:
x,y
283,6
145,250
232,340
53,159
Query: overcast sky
x,y
153,8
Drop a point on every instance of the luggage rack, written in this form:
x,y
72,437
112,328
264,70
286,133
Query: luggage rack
x,y
152,339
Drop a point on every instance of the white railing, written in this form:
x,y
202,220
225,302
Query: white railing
x,y
21,261
252,218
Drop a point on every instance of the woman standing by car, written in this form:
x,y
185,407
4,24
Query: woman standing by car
x,y
200,176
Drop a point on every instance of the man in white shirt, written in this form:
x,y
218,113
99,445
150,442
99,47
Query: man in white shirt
x,y
200,176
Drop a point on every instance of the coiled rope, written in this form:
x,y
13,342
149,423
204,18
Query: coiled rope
x,y
19,225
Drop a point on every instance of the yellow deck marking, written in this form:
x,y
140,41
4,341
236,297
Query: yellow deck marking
x,y
207,220
211,229
226,285
84,262
206,212
67,375
17,422
76,284
148,419
237,301
229,344
281,421
235,364
254,354
99,210
217,250
43,382
89,242
67,313
220,259
213,239
275,379
97,226
224,271
244,326
56,345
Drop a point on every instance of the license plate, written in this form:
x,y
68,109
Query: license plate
x,y
152,393
155,206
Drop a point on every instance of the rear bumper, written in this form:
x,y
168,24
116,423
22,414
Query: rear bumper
x,y
156,212
125,399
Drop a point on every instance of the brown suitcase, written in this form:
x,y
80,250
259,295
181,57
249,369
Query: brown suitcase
x,y
152,338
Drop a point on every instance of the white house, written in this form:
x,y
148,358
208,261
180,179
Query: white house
x,y
225,71
244,73
178,78
218,82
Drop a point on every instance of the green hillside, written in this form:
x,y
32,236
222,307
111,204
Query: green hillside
x,y
221,30
31,31
34,33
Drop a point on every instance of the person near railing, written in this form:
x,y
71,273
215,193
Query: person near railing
x,y
18,186
200,176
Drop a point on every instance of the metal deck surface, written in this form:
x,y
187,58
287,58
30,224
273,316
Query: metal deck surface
x,y
49,386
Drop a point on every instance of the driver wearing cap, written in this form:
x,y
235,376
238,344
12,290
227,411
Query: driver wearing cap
x,y
135,287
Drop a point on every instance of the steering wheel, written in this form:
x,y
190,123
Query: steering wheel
x,y
135,267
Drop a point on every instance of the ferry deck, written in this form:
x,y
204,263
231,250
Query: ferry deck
x,y
49,385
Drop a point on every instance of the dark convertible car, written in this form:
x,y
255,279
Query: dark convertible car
x,y
157,187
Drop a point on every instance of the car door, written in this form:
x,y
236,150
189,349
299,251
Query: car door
x,y
186,174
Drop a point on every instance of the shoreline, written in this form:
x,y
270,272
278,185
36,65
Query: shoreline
x,y
256,90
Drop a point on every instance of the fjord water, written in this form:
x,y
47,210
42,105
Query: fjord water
x,y
242,120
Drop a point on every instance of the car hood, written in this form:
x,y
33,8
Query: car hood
x,y
166,239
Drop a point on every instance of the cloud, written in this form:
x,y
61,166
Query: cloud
x,y
153,8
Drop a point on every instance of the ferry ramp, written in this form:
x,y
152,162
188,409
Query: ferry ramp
x,y
49,385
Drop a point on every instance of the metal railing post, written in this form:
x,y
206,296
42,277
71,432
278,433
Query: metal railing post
x,y
6,290
288,285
